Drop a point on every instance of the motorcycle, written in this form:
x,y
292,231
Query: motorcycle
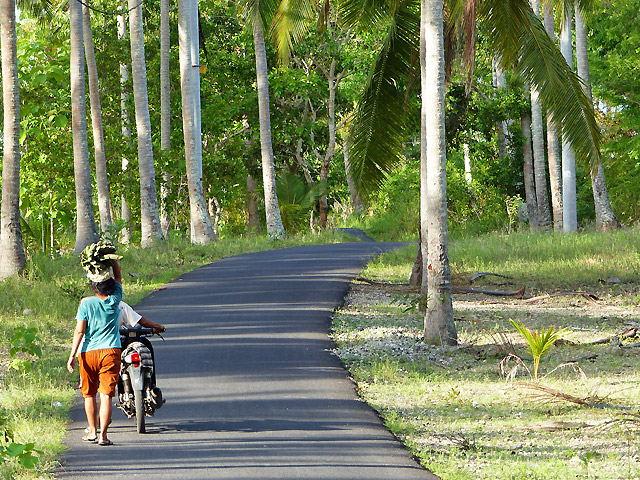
x,y
138,394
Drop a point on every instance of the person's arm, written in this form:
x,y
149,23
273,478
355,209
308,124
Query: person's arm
x,y
117,272
157,328
77,338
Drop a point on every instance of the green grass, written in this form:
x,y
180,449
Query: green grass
x,y
47,298
451,407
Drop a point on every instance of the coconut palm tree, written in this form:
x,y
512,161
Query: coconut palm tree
x,y
201,230
12,260
125,209
149,215
569,202
258,11
165,111
605,217
102,182
86,230
553,143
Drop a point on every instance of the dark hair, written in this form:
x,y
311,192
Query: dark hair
x,y
104,288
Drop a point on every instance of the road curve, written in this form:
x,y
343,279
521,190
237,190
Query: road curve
x,y
252,390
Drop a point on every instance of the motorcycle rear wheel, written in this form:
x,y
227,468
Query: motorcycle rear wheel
x,y
140,427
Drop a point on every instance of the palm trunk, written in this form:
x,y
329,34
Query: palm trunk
x,y
356,202
553,144
539,160
12,260
333,81
102,182
274,220
149,216
201,230
165,113
125,209
499,81
86,231
569,206
439,326
529,180
605,217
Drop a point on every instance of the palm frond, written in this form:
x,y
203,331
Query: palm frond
x,y
290,23
260,10
379,126
520,38
366,14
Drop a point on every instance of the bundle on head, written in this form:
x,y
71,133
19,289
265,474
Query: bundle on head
x,y
97,259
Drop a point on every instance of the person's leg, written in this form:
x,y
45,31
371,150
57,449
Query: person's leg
x,y
90,410
106,409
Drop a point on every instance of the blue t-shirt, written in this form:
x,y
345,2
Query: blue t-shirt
x,y
101,317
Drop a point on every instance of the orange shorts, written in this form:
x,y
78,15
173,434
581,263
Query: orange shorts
x,y
99,371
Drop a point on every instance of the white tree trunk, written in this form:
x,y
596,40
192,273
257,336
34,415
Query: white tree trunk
x,y
12,259
356,202
274,220
439,326
86,231
149,215
125,209
468,174
102,181
553,143
201,230
499,81
529,179
605,217
539,160
569,206
165,113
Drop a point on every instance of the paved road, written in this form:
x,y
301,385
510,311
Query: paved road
x,y
252,391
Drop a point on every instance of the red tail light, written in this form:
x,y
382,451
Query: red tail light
x,y
135,359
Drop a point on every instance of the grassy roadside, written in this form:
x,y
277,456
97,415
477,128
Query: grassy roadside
x,y
452,407
35,405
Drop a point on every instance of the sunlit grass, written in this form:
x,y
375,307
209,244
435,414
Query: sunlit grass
x,y
451,407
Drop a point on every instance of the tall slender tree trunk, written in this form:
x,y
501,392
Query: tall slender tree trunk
x,y
125,209
539,160
333,81
274,220
356,201
149,215
499,82
468,173
529,179
102,181
12,259
86,231
569,205
553,143
201,230
605,217
439,326
165,114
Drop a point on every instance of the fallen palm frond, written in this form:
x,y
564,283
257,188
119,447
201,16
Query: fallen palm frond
x,y
573,365
517,293
509,373
555,425
587,296
551,395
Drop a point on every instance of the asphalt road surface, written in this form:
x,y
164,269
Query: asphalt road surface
x,y
252,389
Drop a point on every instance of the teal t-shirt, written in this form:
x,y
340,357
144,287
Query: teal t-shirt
x,y
101,317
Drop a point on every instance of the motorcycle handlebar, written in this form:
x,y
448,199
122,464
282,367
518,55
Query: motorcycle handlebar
x,y
136,332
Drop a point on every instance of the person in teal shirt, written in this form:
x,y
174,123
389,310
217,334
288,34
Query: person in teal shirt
x,y
97,340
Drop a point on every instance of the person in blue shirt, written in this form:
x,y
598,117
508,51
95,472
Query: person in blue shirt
x,y
97,340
